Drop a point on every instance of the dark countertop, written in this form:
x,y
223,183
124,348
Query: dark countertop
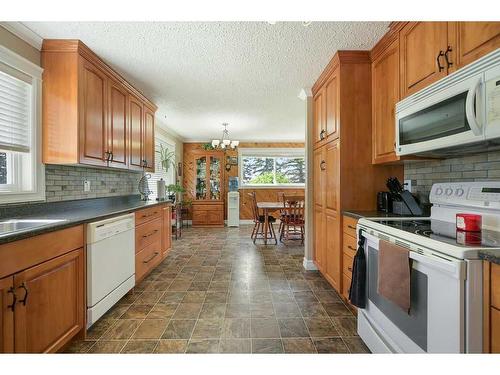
x,y
492,256
70,213
369,214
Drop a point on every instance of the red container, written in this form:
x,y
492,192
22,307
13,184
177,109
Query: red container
x,y
469,222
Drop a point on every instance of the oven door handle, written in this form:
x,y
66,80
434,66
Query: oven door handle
x,y
475,126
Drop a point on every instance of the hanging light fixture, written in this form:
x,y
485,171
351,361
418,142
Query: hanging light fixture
x,y
225,143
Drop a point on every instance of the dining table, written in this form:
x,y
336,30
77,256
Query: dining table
x,y
267,207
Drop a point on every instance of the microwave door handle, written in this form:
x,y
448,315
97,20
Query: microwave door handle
x,y
469,109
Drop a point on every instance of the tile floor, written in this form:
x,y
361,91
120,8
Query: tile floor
x,y
217,292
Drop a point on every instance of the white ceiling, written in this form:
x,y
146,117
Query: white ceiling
x,y
201,74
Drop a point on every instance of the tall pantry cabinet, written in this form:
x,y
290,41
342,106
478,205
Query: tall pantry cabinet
x,y
344,177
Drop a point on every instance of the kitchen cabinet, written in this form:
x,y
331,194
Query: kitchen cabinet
x,y
166,238
319,115
491,307
208,205
7,305
472,40
50,308
343,174
42,292
90,114
423,48
349,240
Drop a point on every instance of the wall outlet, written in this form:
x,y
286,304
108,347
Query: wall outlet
x,y
86,186
407,186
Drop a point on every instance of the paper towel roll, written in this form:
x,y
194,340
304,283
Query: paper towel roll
x,y
160,188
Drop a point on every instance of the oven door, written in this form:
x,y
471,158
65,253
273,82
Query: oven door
x,y
435,323
442,118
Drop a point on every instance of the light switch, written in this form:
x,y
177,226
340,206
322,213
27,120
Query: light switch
x,y
86,186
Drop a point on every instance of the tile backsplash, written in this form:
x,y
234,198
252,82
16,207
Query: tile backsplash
x,y
66,182
478,167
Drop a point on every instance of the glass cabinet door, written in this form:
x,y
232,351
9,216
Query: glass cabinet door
x,y
201,177
215,177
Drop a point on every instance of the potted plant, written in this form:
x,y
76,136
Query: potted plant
x,y
173,190
167,158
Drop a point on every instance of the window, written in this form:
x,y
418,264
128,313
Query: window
x,y
169,176
275,167
21,171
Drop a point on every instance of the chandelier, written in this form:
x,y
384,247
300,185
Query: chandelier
x,y
224,143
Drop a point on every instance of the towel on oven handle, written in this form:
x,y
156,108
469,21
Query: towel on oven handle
x,y
357,292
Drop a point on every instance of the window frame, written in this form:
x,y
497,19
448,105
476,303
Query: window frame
x,y
274,153
32,161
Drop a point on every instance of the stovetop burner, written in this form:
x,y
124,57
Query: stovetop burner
x,y
446,232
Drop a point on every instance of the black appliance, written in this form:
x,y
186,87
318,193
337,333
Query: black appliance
x,y
384,201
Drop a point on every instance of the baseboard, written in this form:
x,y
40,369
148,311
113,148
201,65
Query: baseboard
x,y
246,221
309,265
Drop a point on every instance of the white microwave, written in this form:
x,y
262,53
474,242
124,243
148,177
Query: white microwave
x,y
455,115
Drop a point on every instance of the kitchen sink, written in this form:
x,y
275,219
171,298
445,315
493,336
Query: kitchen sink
x,y
14,225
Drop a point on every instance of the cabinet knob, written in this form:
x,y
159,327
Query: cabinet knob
x,y
448,62
322,165
12,306
440,67
25,298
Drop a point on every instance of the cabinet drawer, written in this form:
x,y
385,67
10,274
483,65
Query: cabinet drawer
x,y
147,259
147,214
147,233
495,330
350,226
346,284
207,207
347,264
495,285
350,245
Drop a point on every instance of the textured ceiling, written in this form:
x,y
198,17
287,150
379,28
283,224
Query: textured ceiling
x,y
201,74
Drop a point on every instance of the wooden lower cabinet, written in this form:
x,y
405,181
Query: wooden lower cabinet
x,y
208,214
166,236
50,307
491,307
333,271
7,315
319,239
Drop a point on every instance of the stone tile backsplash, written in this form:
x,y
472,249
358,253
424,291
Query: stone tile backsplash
x,y
478,167
66,182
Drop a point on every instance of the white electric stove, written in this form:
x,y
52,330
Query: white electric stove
x,y
446,278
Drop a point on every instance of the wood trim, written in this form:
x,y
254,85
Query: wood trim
x,y
386,40
77,46
486,307
19,255
6,316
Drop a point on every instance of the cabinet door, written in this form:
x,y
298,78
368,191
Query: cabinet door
x,y
149,139
471,40
332,177
215,184
333,251
215,216
319,116
319,163
117,125
7,315
93,142
420,46
385,95
319,239
135,133
50,307
166,244
332,106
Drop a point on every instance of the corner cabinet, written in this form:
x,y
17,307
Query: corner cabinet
x,y
90,114
208,203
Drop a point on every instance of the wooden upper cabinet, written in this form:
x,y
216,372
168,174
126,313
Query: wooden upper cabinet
x,y
319,117
472,40
385,95
93,133
149,137
7,315
50,307
332,106
86,112
136,143
422,59
332,177
117,125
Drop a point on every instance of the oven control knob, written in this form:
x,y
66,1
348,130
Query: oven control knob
x,y
448,191
439,191
459,192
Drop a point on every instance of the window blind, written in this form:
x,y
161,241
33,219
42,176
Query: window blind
x,y
15,113
168,177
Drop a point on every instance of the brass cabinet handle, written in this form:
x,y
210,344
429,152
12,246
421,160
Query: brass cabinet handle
x,y
25,298
440,67
14,299
448,62
351,227
150,234
151,258
322,165
350,247
148,215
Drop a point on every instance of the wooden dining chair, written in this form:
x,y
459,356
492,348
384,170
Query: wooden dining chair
x,y
259,222
293,218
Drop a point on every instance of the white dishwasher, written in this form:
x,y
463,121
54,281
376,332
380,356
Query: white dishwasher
x,y
110,263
